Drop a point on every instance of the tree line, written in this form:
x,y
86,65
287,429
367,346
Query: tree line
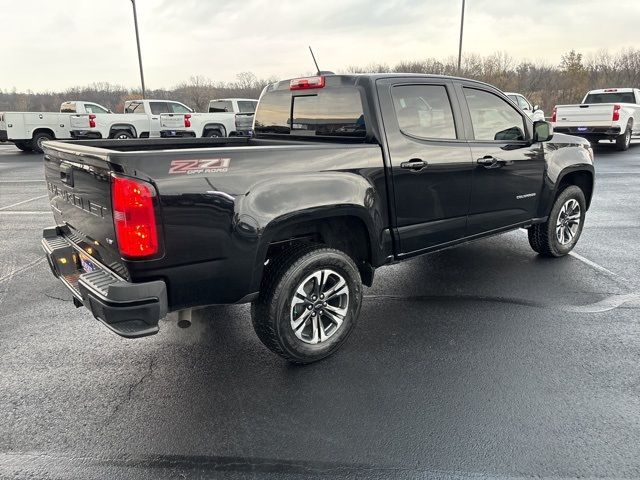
x,y
544,84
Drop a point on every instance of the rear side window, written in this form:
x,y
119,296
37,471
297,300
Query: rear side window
x,y
493,118
424,111
613,97
327,112
221,106
245,106
68,107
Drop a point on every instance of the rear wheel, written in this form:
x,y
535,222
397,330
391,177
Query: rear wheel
x,y
624,141
309,302
38,139
560,233
213,133
24,146
121,135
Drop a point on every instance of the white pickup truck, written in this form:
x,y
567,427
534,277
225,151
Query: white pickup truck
x,y
27,130
154,118
606,114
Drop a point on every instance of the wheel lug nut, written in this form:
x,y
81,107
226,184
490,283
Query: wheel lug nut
x,y
324,304
321,296
310,307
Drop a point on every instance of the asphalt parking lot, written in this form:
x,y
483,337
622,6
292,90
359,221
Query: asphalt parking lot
x,y
483,361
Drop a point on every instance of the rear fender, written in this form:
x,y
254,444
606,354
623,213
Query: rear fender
x,y
275,205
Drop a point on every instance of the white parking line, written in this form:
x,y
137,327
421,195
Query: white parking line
x,y
593,265
21,269
25,212
22,202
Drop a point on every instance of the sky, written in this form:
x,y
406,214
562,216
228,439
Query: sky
x,y
52,45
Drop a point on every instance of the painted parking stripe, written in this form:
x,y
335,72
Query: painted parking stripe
x,y
593,265
22,202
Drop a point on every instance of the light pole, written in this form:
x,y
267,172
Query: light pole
x,y
135,22
461,31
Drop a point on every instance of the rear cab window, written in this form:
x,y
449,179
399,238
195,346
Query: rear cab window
x,y
334,110
247,106
220,106
610,97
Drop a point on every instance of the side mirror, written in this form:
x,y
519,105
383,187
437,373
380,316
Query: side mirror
x,y
109,111
536,108
542,131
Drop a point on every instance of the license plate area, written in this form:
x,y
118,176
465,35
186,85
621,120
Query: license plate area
x,y
85,264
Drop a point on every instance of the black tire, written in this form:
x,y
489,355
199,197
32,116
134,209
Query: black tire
x,y
543,237
215,133
624,141
272,311
24,146
36,141
121,135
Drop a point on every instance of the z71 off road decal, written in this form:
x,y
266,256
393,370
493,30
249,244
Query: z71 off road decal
x,y
213,165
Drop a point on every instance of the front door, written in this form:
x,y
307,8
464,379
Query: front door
x,y
508,168
431,165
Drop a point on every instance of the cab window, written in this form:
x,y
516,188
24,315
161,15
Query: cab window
x,y
178,108
424,111
493,118
134,107
159,107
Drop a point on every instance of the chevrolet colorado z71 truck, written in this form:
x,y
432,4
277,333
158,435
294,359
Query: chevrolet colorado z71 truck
x,y
346,173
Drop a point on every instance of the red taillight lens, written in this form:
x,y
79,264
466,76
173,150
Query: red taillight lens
x,y
306,83
616,113
134,217
554,115
92,121
187,120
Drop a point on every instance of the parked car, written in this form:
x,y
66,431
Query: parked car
x,y
533,111
606,114
346,174
27,130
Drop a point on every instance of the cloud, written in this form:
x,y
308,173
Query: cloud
x,y
76,42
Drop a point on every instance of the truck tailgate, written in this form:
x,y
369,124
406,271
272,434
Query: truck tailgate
x,y
79,188
244,121
585,115
79,122
171,121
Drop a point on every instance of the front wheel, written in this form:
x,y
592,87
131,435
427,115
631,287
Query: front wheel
x,y
121,135
308,304
560,233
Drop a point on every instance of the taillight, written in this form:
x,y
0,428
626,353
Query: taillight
x,y
187,120
134,217
306,83
92,121
616,113
554,115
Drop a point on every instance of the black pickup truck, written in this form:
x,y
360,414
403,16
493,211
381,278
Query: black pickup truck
x,y
346,173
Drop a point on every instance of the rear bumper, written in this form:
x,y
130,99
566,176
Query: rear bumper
x,y
85,134
177,134
128,309
590,132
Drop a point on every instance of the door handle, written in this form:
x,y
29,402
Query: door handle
x,y
414,164
488,161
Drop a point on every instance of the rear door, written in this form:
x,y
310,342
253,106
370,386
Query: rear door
x,y
508,170
431,163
